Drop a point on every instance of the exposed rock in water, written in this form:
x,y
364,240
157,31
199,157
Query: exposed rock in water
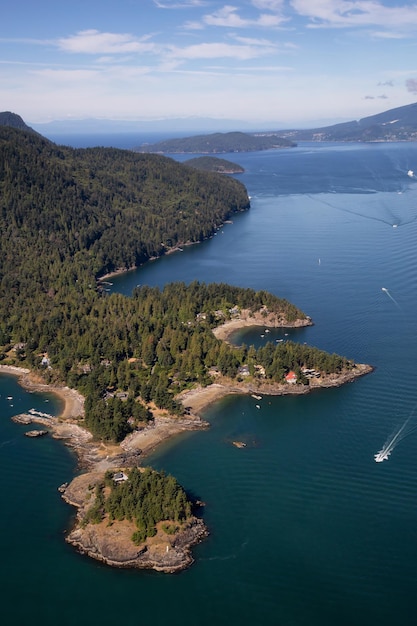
x,y
36,433
23,418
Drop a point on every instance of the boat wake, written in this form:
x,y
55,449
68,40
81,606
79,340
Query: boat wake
x,y
399,434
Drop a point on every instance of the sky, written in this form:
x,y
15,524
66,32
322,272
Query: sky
x,y
289,62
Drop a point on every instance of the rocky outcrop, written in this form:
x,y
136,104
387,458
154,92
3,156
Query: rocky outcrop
x,y
111,543
36,433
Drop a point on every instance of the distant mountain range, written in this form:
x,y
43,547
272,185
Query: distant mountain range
x,y
398,124
172,127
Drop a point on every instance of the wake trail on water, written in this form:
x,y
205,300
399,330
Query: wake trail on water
x,y
385,290
395,438
7,443
350,212
390,218
228,557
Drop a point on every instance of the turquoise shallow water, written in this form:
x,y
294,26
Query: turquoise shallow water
x,y
306,529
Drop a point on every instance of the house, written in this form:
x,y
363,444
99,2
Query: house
x,y
291,377
260,371
119,477
244,370
18,347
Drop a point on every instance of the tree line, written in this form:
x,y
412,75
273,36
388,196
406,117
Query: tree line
x,y
69,216
145,498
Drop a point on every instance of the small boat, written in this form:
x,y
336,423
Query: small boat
x,y
382,455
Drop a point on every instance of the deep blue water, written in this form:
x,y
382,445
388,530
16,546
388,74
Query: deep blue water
x,y
306,529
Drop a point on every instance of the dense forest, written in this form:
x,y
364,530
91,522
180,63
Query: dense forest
x,y
68,217
146,498
214,164
218,143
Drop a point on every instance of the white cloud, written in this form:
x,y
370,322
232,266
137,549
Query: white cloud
x,y
250,41
268,5
228,17
94,42
345,13
388,35
193,26
222,50
185,4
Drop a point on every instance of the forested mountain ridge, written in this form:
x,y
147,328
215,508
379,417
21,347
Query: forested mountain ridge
x,y
66,217
399,124
7,118
117,207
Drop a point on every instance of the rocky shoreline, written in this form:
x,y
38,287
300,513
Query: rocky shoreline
x,y
112,544
263,318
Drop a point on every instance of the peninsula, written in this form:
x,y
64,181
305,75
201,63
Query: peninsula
x,y
164,543
131,370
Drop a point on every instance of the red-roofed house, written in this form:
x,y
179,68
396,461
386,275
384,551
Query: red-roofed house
x,y
291,377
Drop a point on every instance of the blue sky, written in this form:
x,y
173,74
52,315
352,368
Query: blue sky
x,y
291,62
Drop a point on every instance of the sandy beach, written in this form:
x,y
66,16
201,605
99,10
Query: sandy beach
x,y
134,448
262,318
73,401
93,454
113,544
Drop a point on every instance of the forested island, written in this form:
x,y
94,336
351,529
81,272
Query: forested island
x,y
69,217
218,143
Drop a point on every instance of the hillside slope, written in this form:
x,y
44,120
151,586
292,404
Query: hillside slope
x,y
398,124
66,217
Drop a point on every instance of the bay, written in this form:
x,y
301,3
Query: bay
x,y
306,529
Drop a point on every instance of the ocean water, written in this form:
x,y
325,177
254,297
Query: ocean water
x,y
306,529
